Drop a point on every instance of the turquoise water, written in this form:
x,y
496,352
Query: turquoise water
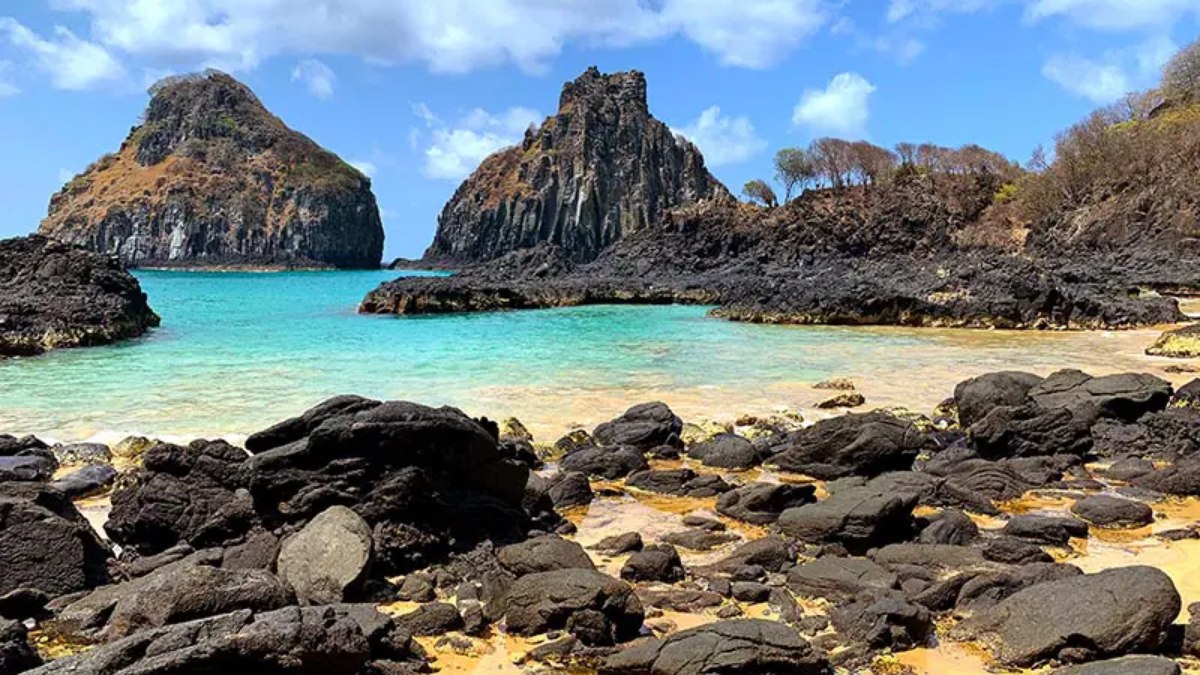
x,y
239,351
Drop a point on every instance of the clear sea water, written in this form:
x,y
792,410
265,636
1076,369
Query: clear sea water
x,y
239,351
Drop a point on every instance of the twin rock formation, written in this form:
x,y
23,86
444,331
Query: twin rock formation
x,y
211,178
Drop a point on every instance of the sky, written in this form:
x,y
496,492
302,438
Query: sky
x,y
416,92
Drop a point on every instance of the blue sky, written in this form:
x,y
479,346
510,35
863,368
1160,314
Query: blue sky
x,y
416,92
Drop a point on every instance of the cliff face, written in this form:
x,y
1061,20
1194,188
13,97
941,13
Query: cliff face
x,y
600,169
53,295
211,178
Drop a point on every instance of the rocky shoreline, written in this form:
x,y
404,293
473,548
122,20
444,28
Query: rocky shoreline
x,y
389,537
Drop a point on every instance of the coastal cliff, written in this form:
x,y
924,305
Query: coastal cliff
x,y
211,178
54,295
600,169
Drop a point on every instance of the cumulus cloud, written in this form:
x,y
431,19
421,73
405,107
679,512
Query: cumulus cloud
x,y
841,108
456,149
723,140
1112,75
71,62
447,35
1098,82
317,76
1115,14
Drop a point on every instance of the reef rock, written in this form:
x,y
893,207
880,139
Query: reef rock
x,y
55,295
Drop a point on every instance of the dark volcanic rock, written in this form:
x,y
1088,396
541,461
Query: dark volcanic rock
x,y
428,481
855,444
176,593
1112,613
1052,530
1109,511
16,655
1126,665
45,544
643,426
883,620
1125,396
600,169
858,518
211,178
596,608
976,397
989,588
55,295
332,640
679,482
738,647
543,554
654,563
85,482
951,527
761,503
839,579
621,543
606,462
193,494
727,451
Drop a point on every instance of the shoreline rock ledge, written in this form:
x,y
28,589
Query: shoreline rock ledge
x,y
53,295
211,178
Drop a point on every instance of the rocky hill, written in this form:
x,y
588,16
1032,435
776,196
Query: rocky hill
x,y
53,295
600,169
211,178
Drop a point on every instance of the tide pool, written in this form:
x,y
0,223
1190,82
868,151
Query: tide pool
x,y
239,351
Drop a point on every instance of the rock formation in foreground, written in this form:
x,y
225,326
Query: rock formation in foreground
x,y
598,170
54,295
211,178
283,558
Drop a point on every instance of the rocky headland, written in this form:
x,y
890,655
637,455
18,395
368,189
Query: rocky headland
x,y
367,537
600,169
210,178
937,237
54,295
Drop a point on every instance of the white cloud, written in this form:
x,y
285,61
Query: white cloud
x,y
900,10
456,150
1115,14
842,108
7,88
904,50
1113,74
71,62
723,140
447,35
365,167
1101,83
315,75
748,33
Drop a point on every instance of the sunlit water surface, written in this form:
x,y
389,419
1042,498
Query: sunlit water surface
x,y
239,351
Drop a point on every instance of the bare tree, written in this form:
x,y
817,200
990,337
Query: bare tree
x,y
907,152
833,160
872,164
758,190
1181,75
